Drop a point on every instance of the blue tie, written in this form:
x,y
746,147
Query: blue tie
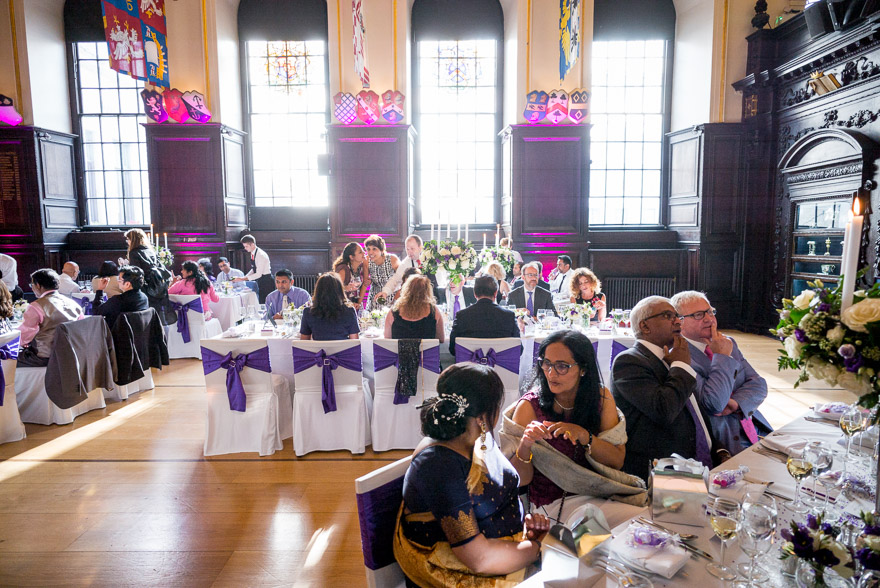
x,y
530,305
704,455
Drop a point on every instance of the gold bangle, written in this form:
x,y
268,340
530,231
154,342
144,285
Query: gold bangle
x,y
531,456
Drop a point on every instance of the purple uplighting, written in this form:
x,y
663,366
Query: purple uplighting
x,y
192,234
202,253
10,142
365,235
14,235
368,140
183,138
199,244
539,234
545,244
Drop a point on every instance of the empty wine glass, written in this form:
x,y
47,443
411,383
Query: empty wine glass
x,y
758,525
869,579
724,516
617,315
851,422
821,456
799,467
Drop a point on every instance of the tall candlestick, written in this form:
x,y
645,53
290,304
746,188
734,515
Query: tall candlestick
x,y
458,232
166,240
157,241
151,232
851,243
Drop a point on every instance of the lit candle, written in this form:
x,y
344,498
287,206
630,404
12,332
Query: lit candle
x,y
497,232
432,231
466,233
448,226
458,232
157,241
151,232
166,240
484,240
851,243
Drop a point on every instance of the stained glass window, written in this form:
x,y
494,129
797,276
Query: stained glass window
x,y
457,124
109,108
288,100
628,116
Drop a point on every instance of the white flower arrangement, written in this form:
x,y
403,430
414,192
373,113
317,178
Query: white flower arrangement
x,y
165,256
455,257
502,255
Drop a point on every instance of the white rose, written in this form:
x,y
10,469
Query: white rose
x,y
456,250
842,554
444,251
823,370
859,293
835,335
858,315
453,264
872,541
793,347
803,299
853,383
465,264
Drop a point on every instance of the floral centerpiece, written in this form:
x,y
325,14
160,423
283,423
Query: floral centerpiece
x,y
20,305
580,314
868,544
813,543
293,315
841,348
377,317
503,255
165,256
450,257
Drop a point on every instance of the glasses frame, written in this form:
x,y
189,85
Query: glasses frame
x,y
702,314
554,365
665,314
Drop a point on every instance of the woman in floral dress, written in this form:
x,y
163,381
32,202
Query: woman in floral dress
x,y
381,266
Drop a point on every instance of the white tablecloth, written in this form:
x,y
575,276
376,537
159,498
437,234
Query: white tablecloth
x,y
231,309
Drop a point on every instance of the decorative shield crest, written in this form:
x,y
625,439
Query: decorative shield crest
x,y
368,108
557,106
392,106
196,107
154,106
536,106
578,105
8,113
345,109
174,105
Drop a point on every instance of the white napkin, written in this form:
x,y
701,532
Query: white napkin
x,y
830,410
736,492
665,561
236,331
866,439
783,443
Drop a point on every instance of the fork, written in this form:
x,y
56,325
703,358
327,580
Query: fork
x,y
624,576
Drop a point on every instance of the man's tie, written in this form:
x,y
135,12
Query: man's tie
x,y
285,301
456,307
709,353
704,454
530,306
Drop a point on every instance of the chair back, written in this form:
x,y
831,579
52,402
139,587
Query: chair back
x,y
9,364
60,384
216,380
379,496
79,297
386,379
510,377
196,319
311,377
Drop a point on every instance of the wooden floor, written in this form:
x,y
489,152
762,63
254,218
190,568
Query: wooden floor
x,y
123,496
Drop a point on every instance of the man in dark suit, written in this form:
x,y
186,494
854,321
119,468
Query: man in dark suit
x,y
456,292
653,384
530,295
484,319
541,283
131,280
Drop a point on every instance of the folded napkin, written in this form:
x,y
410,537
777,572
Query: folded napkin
x,y
866,439
783,443
737,491
830,410
235,332
665,559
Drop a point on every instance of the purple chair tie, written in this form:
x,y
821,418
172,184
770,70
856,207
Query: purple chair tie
x,y
182,319
385,358
258,360
616,348
348,358
377,514
7,351
508,359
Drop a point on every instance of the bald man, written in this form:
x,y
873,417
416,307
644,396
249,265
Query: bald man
x,y
67,279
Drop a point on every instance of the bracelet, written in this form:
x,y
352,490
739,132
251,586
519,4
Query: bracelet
x,y
531,456
589,447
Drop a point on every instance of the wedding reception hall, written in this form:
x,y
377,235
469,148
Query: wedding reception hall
x,y
431,293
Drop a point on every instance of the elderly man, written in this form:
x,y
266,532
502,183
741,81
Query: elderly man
x,y
530,296
653,384
41,318
728,388
484,319
67,279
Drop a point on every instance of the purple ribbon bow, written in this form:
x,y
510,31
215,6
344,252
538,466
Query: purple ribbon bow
x,y
348,358
508,359
183,319
7,351
86,305
258,360
385,358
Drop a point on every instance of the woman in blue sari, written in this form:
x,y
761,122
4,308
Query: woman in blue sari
x,y
461,522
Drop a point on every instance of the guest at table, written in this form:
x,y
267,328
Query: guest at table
x,y
229,273
410,272
330,317
414,314
541,283
7,311
508,242
42,317
484,318
515,273
560,278
351,266
585,288
653,383
531,296
192,281
129,280
728,388
462,523
496,270
285,294
141,254
260,272
456,296
207,268
411,259
573,412
110,270
381,267
67,279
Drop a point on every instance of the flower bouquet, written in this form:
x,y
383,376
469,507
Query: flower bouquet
x,y
451,257
377,317
165,256
580,314
813,543
868,543
503,255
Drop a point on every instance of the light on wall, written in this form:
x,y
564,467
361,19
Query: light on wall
x,y
8,113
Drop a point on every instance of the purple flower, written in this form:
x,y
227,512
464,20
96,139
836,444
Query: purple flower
x,y
826,558
852,364
812,522
872,529
802,543
846,351
800,336
869,558
827,528
824,307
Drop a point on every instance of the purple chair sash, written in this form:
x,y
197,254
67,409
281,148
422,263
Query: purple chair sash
x,y
508,359
258,360
616,348
377,514
385,358
348,358
87,305
182,319
8,350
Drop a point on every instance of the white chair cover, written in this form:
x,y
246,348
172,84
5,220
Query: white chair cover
x,y
509,378
36,407
11,427
123,392
198,329
267,418
397,426
390,575
348,427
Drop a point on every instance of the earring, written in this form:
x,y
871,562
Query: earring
x,y
483,437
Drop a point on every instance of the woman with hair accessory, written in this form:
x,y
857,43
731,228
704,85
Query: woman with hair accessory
x,y
351,265
462,523
586,289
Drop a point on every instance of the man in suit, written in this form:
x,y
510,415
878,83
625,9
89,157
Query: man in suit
x,y
456,296
530,295
484,319
728,388
653,384
130,280
541,283
412,259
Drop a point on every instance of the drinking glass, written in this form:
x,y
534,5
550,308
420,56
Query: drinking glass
x,y
799,467
758,524
724,516
542,312
828,480
262,310
869,579
821,456
511,307
851,422
626,314
251,312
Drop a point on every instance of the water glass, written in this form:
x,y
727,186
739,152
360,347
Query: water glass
x,y
869,579
542,312
511,307
821,456
251,312
758,525
724,516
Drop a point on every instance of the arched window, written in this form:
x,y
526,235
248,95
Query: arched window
x,y
107,115
631,59
457,77
287,99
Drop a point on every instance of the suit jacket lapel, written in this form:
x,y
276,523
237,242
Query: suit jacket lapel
x,y
660,368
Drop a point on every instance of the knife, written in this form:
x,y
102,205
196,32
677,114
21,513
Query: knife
x,y
688,547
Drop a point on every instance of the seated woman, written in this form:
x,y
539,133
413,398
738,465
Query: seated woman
x,y
130,280
352,269
415,314
496,270
192,281
586,288
207,268
571,411
6,309
108,270
462,522
331,317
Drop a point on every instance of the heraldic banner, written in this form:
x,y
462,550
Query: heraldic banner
x,y
569,35
135,32
360,42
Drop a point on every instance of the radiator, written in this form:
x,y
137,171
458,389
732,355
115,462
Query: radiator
x,y
305,281
625,292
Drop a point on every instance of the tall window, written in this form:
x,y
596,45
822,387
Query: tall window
x,y
288,108
628,114
114,146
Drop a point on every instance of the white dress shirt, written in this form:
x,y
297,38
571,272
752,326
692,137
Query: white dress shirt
x,y
228,277
262,260
9,267
450,301
560,285
395,280
67,286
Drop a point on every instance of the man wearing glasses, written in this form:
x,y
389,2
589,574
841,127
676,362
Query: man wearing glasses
x,y
653,384
530,296
728,388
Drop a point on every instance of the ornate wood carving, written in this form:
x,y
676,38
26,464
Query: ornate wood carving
x,y
831,172
856,120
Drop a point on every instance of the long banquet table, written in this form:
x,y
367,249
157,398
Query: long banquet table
x,y
232,307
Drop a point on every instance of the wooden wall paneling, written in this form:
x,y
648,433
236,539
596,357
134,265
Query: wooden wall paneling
x,y
234,177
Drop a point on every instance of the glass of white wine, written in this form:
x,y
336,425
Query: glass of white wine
x,y
852,421
724,516
799,467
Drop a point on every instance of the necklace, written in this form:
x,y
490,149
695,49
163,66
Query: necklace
x,y
559,404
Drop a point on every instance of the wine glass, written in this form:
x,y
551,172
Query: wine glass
x,y
542,312
851,422
758,524
869,579
799,467
724,516
828,480
821,456
251,312
617,315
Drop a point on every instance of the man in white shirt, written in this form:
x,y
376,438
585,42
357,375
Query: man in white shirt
x,y
67,279
260,271
560,278
228,273
412,259
457,296
9,271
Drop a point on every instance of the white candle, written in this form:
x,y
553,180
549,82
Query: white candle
x,y
432,231
166,240
466,233
484,240
851,243
458,232
151,232
157,241
448,226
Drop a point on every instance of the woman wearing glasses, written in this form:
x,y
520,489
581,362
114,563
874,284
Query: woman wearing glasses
x,y
573,413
